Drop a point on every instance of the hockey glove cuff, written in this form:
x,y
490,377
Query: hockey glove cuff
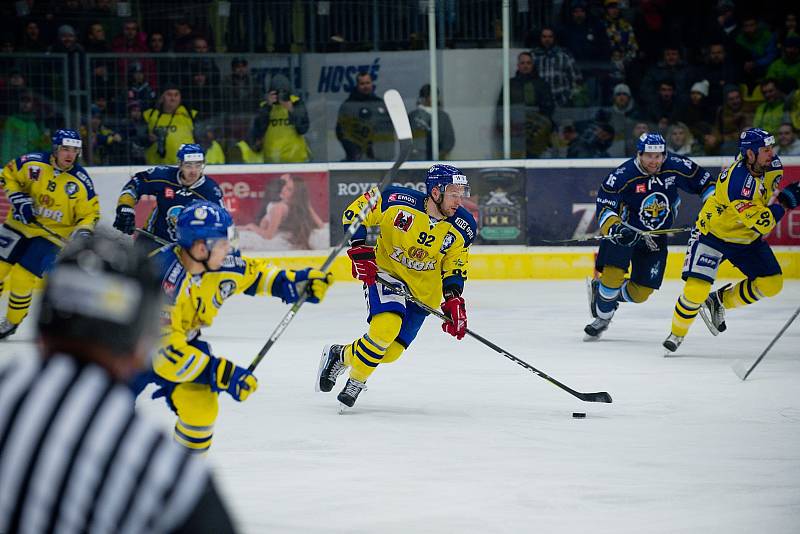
x,y
226,376
288,285
789,197
125,221
22,207
454,308
364,266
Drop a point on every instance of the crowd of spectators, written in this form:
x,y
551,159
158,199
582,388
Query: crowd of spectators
x,y
594,78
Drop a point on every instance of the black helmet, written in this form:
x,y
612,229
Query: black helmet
x,y
104,291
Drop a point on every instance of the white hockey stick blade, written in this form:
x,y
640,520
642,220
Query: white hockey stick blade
x,y
397,112
741,368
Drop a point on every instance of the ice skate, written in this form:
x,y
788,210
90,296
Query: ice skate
x,y
331,365
671,344
7,328
592,286
350,393
713,312
595,329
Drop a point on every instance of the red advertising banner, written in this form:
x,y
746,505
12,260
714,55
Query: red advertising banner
x,y
272,211
788,230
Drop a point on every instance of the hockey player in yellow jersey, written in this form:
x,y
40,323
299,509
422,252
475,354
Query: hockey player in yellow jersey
x,y
198,275
423,245
52,199
731,226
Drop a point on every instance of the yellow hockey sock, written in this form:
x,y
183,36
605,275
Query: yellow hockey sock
x,y
21,290
365,353
752,290
686,309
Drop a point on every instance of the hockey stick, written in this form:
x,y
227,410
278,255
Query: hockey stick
x,y
600,396
152,236
739,367
52,234
397,113
667,231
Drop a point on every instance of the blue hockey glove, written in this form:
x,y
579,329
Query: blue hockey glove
x,y
22,206
789,197
226,376
623,235
288,284
125,221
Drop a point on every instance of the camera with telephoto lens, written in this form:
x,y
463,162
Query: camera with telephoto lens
x,y
161,141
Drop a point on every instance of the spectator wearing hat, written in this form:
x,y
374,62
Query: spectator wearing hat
x,y
134,134
787,142
556,66
170,124
769,114
421,128
619,31
67,43
139,87
697,114
622,115
584,35
786,69
281,122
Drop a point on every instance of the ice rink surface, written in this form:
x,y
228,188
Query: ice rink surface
x,y
454,438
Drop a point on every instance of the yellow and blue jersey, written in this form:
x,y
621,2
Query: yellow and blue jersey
x,y
171,195
192,304
425,253
738,211
63,201
650,201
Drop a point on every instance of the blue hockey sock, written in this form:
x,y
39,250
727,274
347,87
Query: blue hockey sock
x,y
607,301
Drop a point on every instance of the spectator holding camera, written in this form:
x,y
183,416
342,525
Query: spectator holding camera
x,y
278,128
169,125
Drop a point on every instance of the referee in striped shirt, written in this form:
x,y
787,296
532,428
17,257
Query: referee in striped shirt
x,y
74,456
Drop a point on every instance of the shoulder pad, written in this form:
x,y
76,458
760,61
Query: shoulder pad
x,y
41,157
776,163
402,196
80,173
463,221
615,180
741,185
677,163
234,263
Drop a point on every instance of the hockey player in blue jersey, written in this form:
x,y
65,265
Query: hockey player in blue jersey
x,y
173,187
640,195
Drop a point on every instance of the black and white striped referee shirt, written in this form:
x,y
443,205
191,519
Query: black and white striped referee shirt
x,y
75,457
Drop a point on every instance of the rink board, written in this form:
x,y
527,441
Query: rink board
x,y
532,263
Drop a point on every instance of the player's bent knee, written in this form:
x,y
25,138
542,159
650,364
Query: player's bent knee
x,y
696,290
639,293
384,328
769,286
394,351
196,404
23,279
612,276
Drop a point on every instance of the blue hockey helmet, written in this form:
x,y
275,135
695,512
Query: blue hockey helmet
x,y
191,153
753,139
66,137
203,220
443,175
651,142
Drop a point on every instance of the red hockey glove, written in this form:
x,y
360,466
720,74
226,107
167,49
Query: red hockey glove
x,y
364,266
454,308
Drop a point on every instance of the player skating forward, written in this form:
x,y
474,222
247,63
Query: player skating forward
x,y
640,195
731,226
173,187
423,245
52,199
198,274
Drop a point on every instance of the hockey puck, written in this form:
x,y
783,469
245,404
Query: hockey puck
x,y
578,415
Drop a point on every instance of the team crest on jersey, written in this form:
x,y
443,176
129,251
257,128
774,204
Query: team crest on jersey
x,y
34,172
403,220
654,210
447,242
169,192
172,220
70,188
